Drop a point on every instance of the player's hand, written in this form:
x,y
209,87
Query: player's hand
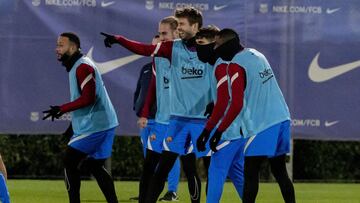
x,y
53,112
214,140
202,139
109,39
142,122
209,109
152,137
169,139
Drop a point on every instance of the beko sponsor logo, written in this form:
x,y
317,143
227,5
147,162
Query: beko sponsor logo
x,y
191,73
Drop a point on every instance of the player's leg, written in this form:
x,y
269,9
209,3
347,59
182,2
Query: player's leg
x,y
172,148
195,128
72,160
278,169
101,143
257,149
103,178
4,193
206,161
236,171
157,182
150,163
251,177
278,163
194,182
173,182
220,166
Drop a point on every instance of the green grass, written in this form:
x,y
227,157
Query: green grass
x,y
47,191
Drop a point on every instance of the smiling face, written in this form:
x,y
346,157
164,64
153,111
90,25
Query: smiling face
x,y
166,33
186,30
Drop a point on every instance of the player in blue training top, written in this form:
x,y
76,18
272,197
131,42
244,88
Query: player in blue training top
x,y
4,193
159,86
93,119
189,95
228,158
264,115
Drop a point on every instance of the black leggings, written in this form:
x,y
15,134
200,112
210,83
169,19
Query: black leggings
x,y
166,162
278,168
150,163
72,160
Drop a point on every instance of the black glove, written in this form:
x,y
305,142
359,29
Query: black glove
x,y
209,109
69,132
109,39
54,112
214,140
201,141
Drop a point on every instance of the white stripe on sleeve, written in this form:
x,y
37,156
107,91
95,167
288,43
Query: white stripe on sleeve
x,y
233,78
86,80
221,81
156,49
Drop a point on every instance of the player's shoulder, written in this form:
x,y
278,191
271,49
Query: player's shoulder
x,y
84,68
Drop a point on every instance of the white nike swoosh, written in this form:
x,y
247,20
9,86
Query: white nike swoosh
x,y
217,8
106,4
319,74
108,66
330,11
328,124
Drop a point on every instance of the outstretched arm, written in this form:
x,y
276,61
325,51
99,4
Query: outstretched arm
x,y
162,49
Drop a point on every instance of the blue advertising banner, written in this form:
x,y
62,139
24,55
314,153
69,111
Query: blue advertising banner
x,y
312,46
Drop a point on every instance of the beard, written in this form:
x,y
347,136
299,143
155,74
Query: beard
x,y
64,57
185,35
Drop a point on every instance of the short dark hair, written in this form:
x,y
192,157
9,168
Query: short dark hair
x,y
171,20
227,34
72,37
192,14
208,32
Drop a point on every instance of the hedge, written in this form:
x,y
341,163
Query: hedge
x,y
40,156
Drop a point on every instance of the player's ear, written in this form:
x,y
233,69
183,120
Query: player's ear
x,y
195,27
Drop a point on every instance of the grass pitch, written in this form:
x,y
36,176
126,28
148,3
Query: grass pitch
x,y
53,191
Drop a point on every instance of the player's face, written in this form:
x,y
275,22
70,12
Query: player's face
x,y
203,41
64,46
166,33
187,31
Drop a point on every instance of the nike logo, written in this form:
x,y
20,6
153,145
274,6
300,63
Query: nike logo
x,y
319,74
331,11
328,124
218,8
108,66
106,4
146,71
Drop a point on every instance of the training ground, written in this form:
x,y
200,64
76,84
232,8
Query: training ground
x,y
53,191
